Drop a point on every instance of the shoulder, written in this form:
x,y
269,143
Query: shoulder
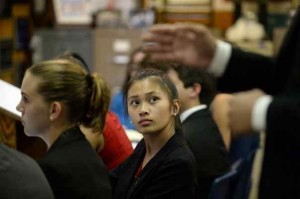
x,y
200,123
16,171
70,152
113,126
177,151
15,161
11,156
204,115
178,164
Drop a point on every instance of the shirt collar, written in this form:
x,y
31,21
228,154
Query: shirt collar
x,y
185,114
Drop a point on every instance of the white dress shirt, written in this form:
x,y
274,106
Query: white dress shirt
x,y
218,66
185,114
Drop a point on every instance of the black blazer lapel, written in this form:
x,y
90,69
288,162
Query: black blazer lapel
x,y
125,175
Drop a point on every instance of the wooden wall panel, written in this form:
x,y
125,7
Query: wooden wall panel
x,y
106,55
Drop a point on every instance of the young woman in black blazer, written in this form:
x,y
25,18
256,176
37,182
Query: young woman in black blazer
x,y
161,166
57,96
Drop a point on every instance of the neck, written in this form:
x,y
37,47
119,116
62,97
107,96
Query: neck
x,y
189,105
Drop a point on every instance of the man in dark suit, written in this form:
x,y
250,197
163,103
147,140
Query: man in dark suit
x,y
274,108
21,177
196,90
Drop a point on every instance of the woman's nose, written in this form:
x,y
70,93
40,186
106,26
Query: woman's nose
x,y
19,108
144,110
143,113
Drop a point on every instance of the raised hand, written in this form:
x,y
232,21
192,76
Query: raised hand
x,y
190,44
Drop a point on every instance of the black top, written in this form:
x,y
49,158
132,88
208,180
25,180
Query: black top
x,y
171,173
74,170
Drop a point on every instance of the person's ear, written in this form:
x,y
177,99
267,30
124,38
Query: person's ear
x,y
196,89
55,110
176,107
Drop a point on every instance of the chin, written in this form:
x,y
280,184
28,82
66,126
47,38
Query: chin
x,y
29,133
142,131
147,131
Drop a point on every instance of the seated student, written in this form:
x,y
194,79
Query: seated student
x,y
241,146
57,96
162,165
117,146
220,116
112,145
196,89
21,177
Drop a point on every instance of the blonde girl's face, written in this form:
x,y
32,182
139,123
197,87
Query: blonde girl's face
x,y
35,111
149,107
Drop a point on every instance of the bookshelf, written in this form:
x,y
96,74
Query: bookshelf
x,y
171,11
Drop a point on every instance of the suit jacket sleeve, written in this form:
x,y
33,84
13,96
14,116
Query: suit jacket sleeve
x,y
249,70
245,71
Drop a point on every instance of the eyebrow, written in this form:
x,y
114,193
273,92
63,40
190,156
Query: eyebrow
x,y
147,94
152,92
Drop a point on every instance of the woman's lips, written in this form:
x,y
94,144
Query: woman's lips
x,y
145,122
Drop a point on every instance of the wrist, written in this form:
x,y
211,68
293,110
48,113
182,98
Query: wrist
x,y
220,58
259,113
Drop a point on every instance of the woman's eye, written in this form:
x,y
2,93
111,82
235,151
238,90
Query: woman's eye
x,y
134,103
24,99
153,99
